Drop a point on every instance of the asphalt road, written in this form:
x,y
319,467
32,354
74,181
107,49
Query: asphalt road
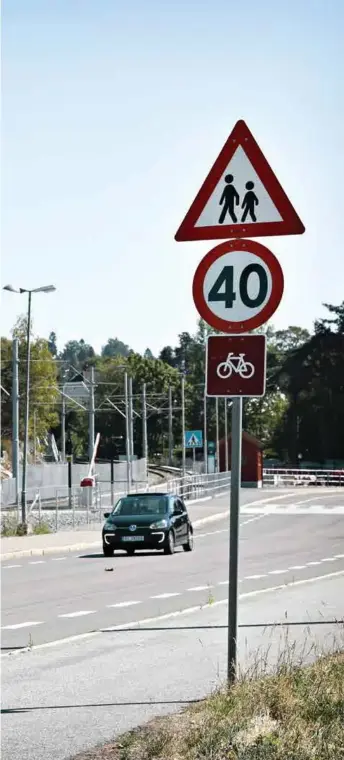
x,y
291,564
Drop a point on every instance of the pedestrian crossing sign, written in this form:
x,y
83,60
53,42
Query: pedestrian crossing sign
x,y
193,439
241,196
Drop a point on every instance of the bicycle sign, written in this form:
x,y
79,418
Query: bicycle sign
x,y
237,286
236,365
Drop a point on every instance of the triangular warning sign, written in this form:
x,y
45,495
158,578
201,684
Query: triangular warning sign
x,y
193,441
241,196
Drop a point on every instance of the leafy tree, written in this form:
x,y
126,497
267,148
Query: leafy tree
x,y
148,354
115,347
77,353
52,344
43,383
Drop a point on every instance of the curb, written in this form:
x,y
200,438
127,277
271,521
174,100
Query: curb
x,y
91,545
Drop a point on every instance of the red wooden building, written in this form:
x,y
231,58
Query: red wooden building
x,y
252,460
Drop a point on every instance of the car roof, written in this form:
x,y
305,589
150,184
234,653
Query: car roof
x,y
158,494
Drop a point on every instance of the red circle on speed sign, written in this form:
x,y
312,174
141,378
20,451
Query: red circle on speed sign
x,y
237,286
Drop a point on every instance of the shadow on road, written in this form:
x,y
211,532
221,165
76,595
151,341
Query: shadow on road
x,y
148,703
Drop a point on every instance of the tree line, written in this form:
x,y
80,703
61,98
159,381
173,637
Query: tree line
x,y
301,417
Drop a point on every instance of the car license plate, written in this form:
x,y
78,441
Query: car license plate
x,y
133,538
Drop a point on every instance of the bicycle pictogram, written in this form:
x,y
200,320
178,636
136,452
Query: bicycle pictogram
x,y
236,364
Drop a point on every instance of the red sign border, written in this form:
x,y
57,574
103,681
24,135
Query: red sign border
x,y
231,246
240,395
291,224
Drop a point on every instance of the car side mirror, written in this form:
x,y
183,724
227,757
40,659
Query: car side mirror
x,y
107,514
178,511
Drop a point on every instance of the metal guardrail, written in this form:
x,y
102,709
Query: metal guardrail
x,y
299,477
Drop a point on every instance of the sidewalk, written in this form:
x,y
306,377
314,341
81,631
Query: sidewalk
x,y
201,512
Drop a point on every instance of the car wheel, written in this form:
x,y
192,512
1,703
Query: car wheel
x,y
188,547
130,551
169,549
108,550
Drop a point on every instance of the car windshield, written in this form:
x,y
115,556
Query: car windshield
x,y
142,505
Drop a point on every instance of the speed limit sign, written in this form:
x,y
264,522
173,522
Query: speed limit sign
x,y
238,286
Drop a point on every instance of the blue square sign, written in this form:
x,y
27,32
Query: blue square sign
x,y
193,439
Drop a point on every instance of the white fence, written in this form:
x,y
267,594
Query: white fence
x,y
84,507
49,479
288,478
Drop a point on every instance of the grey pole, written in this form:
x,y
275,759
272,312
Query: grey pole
x,y
144,426
15,417
226,435
34,435
183,426
131,415
205,438
127,432
217,435
91,416
170,427
63,430
26,412
234,539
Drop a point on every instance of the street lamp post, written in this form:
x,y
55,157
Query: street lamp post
x,y
43,289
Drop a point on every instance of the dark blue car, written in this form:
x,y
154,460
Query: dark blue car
x,y
147,521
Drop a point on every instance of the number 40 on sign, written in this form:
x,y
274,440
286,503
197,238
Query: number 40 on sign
x,y
237,286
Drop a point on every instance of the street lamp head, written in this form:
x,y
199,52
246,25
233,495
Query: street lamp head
x,y
45,289
11,289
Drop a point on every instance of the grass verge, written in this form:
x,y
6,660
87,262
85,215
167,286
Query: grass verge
x,y
297,713
11,527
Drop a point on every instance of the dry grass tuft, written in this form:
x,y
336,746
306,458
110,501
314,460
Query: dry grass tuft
x,y
296,713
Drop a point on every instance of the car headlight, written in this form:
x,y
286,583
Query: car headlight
x,y
159,524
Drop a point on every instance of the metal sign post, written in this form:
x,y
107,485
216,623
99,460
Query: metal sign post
x,y
234,539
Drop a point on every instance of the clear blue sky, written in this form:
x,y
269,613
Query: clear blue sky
x,y
113,113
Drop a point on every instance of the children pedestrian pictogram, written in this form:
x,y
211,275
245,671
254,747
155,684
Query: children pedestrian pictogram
x,y
228,198
240,193
249,202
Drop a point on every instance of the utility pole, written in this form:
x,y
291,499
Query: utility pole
x,y
63,430
217,435
127,431
26,413
34,435
205,433
131,416
91,417
170,427
226,435
234,539
183,424
15,417
144,426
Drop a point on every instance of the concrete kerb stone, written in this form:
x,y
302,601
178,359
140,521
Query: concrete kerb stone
x,y
94,544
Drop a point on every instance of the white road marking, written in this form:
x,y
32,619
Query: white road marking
x,y
29,624
278,572
223,583
253,519
9,567
123,604
254,577
79,613
38,562
317,562
328,559
189,610
199,588
339,556
58,559
296,567
165,596
212,533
